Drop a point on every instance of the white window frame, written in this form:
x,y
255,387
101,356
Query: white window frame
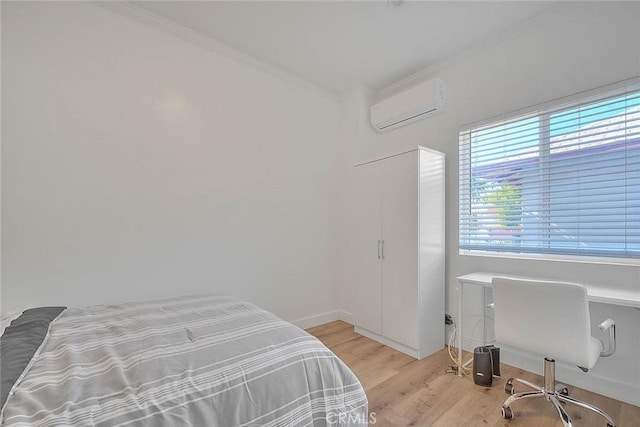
x,y
543,111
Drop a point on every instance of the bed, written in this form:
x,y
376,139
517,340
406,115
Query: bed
x,y
198,360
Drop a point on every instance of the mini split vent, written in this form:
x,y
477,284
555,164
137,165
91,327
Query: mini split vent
x,y
416,103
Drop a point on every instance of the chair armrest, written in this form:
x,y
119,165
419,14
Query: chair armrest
x,y
611,326
606,324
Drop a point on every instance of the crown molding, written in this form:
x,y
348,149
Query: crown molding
x,y
437,68
145,17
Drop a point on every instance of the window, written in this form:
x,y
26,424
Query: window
x,y
563,179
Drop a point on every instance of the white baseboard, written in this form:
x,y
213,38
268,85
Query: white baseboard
x,y
321,319
345,316
318,319
386,341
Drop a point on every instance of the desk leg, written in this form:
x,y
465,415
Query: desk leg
x,y
484,316
460,323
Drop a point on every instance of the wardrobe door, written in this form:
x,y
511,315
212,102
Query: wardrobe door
x,y
399,185
367,257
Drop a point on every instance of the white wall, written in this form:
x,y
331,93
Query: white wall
x,y
574,48
137,165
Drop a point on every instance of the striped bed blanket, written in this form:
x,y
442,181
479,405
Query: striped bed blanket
x,y
189,361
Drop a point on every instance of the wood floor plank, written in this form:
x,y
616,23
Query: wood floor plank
x,y
333,333
403,391
371,376
629,416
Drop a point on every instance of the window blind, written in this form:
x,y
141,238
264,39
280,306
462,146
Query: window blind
x,y
561,179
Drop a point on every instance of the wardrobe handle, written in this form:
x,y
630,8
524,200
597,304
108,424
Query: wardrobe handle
x,y
382,249
378,249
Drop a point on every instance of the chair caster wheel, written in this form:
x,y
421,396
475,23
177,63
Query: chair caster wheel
x,y
610,425
508,387
507,413
563,392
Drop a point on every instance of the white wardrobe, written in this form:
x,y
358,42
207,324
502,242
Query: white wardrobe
x,y
399,242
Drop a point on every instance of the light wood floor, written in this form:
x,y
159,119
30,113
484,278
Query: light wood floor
x,y
403,391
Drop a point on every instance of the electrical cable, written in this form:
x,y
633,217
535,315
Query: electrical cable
x,y
456,366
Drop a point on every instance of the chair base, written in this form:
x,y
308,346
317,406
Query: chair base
x,y
553,392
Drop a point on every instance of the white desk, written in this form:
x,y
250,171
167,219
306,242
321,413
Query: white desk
x,y
596,293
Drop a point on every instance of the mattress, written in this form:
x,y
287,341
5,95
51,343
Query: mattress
x,y
197,360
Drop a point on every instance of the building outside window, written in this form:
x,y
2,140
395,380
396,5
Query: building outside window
x,y
563,179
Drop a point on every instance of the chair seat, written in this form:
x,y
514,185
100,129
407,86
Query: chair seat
x,y
595,348
588,359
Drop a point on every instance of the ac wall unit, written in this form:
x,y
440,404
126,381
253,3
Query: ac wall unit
x,y
416,103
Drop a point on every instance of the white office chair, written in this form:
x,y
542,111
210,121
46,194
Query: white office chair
x,y
550,319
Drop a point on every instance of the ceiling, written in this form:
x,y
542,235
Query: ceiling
x,y
341,44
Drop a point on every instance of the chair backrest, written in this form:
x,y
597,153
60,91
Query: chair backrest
x,y
546,318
